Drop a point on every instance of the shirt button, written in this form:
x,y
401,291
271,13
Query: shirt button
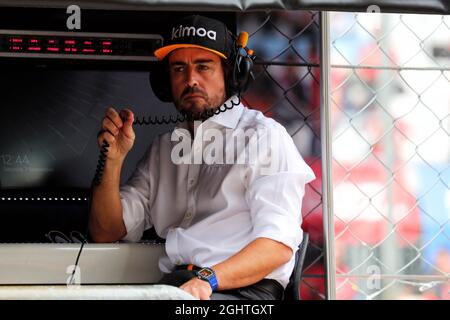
x,y
188,215
178,261
191,181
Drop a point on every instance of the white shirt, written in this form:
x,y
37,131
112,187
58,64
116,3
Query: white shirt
x,y
209,212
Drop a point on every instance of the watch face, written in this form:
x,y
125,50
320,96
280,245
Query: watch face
x,y
205,273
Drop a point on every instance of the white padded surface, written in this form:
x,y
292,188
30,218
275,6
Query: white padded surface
x,y
117,263
94,292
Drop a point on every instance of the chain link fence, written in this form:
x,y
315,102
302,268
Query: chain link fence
x,y
390,101
390,106
287,88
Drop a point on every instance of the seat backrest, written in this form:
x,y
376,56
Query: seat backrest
x,y
292,291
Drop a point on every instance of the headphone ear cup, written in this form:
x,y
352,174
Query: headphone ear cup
x,y
160,82
241,76
245,68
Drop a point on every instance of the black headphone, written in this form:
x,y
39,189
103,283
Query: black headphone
x,y
238,71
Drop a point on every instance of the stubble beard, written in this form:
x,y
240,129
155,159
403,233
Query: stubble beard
x,y
199,109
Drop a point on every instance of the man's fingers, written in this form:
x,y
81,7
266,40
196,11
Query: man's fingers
x,y
128,118
112,114
108,125
115,122
116,132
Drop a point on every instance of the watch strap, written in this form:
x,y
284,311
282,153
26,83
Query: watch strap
x,y
211,279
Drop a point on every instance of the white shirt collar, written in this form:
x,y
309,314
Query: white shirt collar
x,y
229,118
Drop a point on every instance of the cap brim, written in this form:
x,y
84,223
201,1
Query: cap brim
x,y
161,53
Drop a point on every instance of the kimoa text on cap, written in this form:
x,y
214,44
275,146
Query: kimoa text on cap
x,y
192,31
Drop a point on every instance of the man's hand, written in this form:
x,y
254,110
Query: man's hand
x,y
117,130
198,288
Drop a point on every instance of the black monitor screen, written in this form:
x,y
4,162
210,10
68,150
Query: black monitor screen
x,y
50,121
48,142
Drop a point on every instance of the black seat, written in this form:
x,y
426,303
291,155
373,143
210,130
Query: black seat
x,y
292,291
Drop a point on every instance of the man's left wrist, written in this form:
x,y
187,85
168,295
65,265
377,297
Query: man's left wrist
x,y
209,275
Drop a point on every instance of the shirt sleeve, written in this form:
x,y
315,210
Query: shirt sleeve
x,y
275,188
136,196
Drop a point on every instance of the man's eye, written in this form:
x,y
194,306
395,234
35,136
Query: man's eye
x,y
203,67
178,69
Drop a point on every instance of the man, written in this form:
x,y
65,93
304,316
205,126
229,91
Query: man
x,y
231,229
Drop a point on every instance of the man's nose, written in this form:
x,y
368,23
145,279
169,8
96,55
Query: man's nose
x,y
191,77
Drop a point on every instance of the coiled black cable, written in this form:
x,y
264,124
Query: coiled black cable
x,y
185,116
101,163
159,121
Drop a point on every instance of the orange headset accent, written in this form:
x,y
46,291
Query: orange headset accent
x,y
242,39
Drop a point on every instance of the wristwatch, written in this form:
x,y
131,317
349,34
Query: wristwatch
x,y
208,274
